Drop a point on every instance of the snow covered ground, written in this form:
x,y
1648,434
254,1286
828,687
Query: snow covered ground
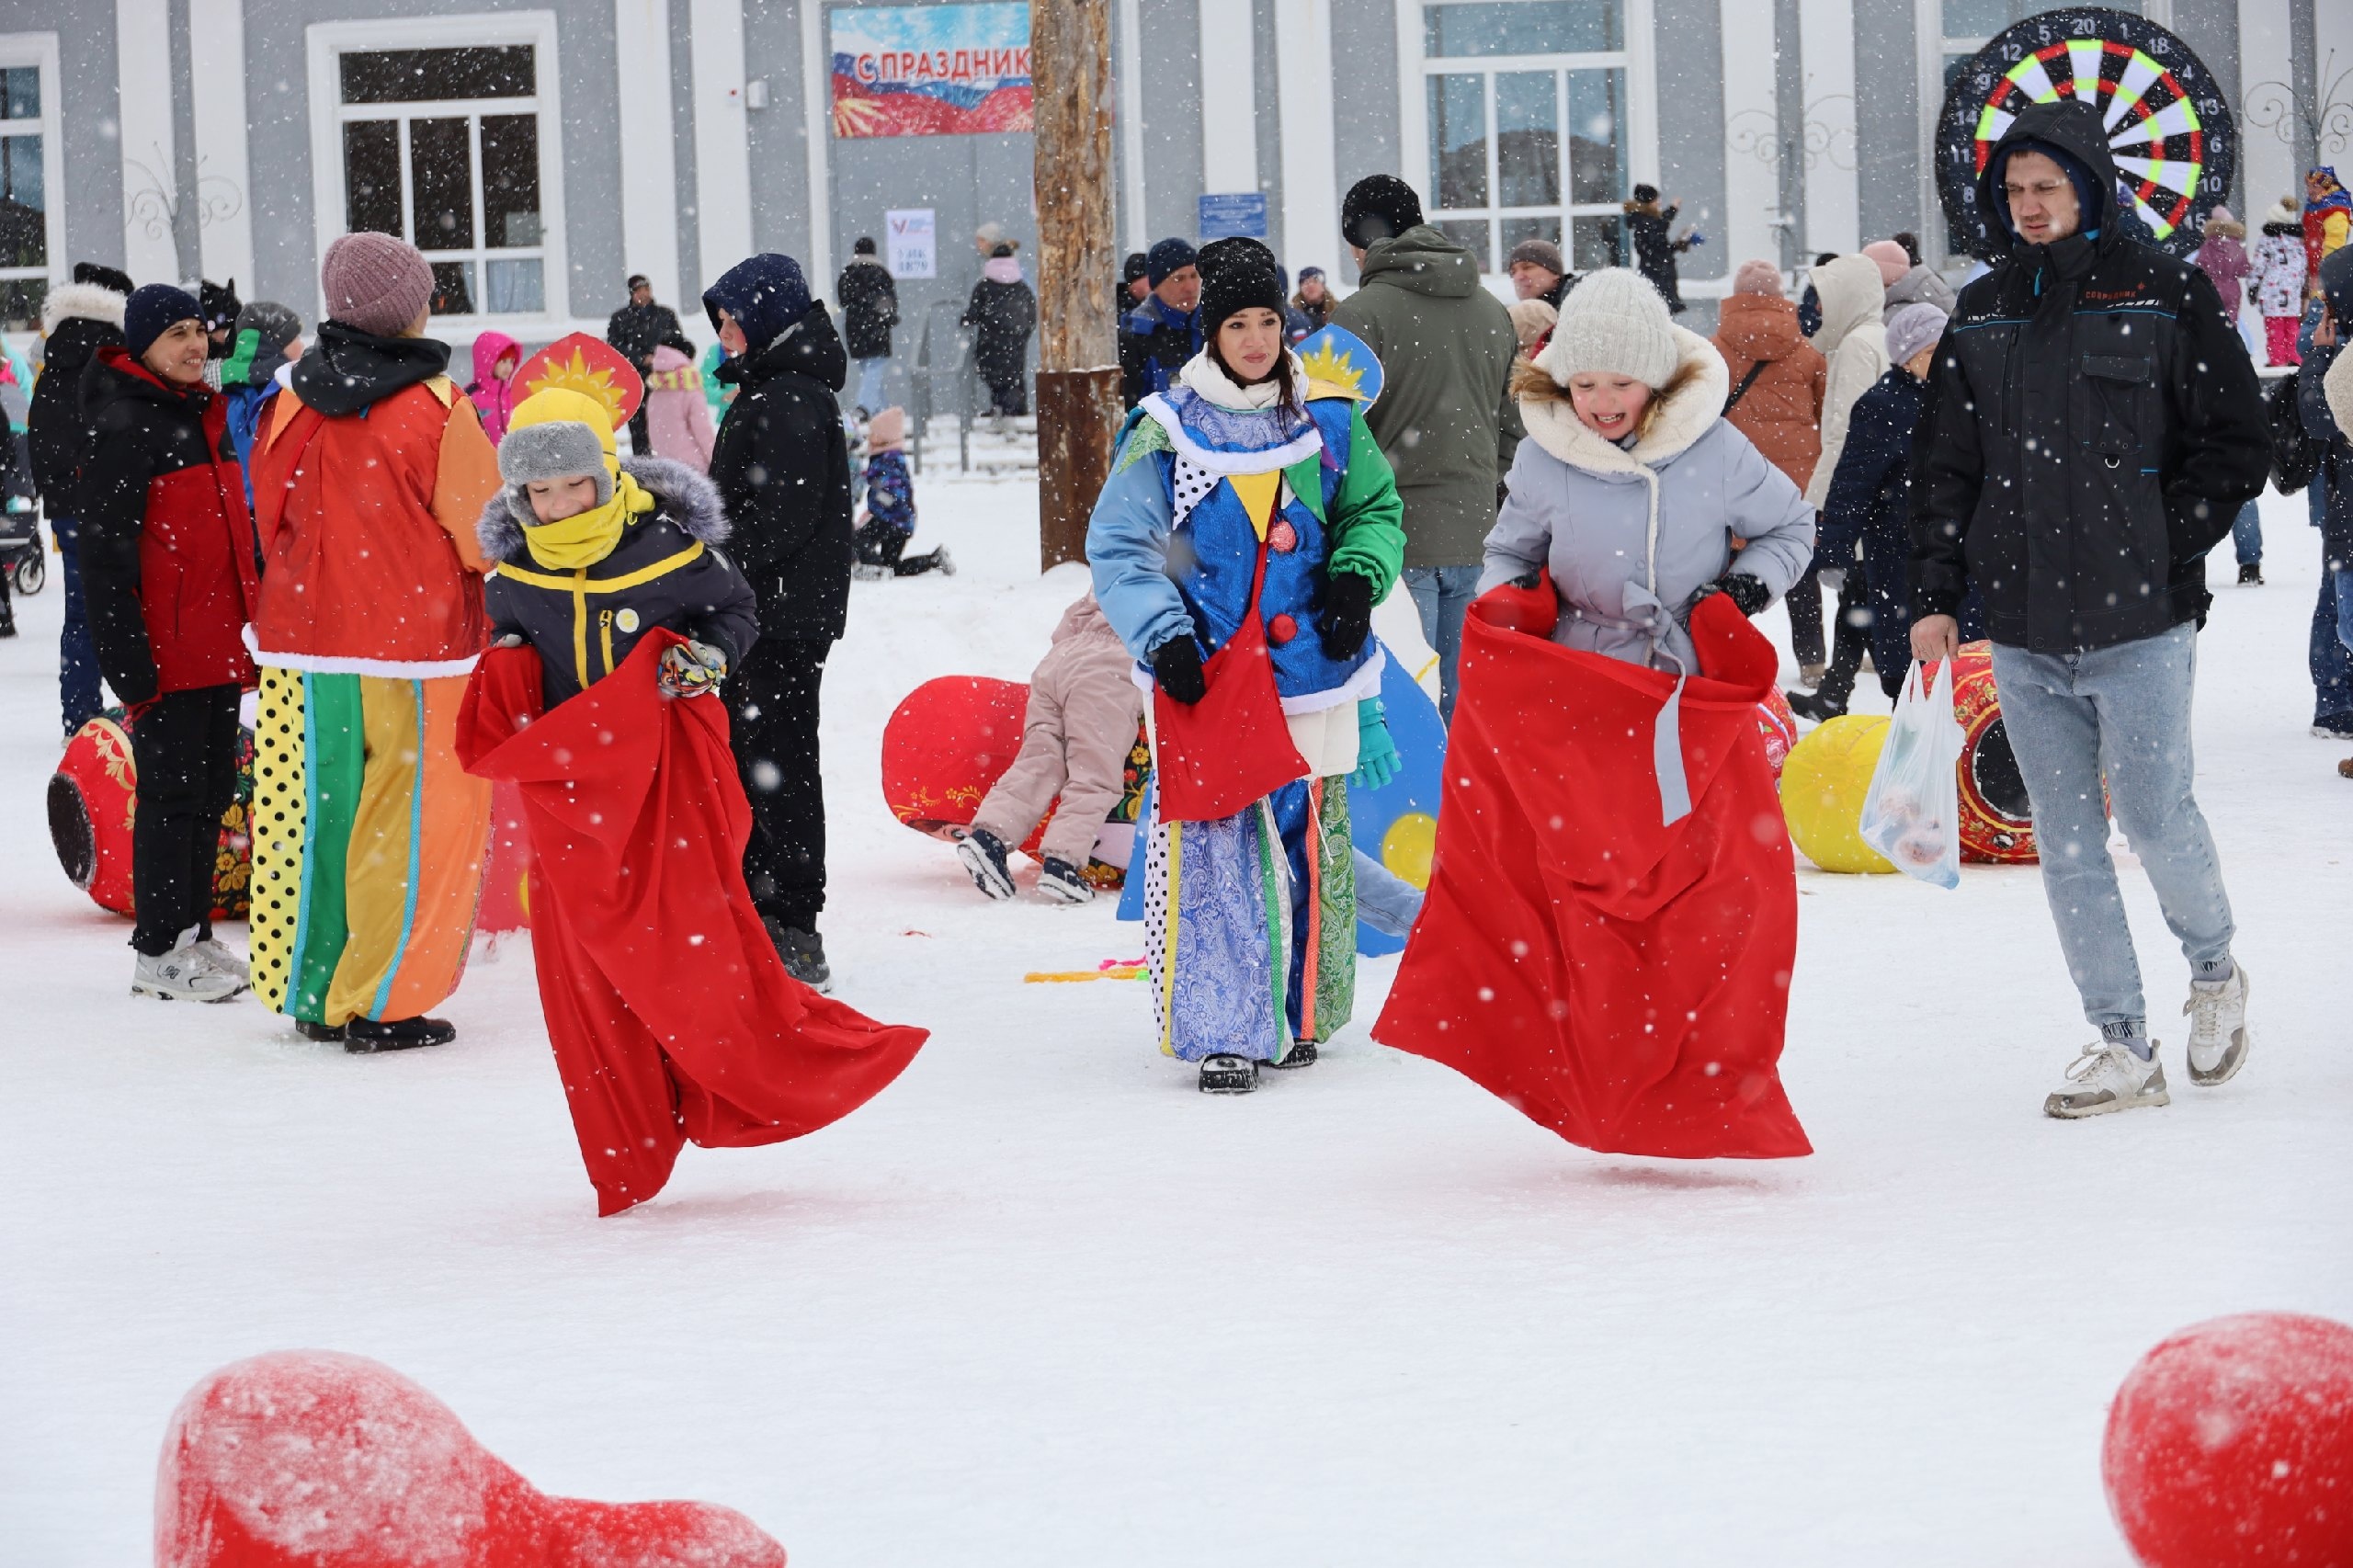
x,y
1042,1303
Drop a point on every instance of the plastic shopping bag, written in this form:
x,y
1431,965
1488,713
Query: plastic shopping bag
x,y
1912,814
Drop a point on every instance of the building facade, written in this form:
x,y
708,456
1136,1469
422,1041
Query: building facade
x,y
541,152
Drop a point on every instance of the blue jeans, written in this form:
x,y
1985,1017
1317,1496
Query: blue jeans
x,y
873,378
1442,595
2326,655
2246,535
77,656
2342,582
2124,711
1385,900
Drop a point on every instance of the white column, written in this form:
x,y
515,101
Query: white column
x,y
1752,156
144,79
723,145
1311,231
817,104
1833,194
1229,99
649,167
224,178
1128,86
2267,158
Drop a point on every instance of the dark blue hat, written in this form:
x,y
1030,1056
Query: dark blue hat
x,y
1167,257
154,310
765,293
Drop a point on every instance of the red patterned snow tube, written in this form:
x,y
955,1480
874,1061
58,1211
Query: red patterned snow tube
x,y
1995,825
93,798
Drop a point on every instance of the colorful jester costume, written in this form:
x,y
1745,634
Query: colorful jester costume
x,y
1226,519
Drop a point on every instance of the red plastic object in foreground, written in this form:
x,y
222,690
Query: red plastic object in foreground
x,y
946,744
309,1458
1996,825
93,799
2231,1445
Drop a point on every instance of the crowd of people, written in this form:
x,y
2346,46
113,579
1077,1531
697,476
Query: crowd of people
x,y
426,585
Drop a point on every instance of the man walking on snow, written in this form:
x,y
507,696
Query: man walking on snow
x,y
2097,426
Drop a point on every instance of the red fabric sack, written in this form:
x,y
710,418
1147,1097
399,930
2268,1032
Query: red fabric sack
x,y
672,1018
1623,982
1234,747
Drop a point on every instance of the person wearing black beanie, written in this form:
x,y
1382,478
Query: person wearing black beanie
x,y
1160,335
1378,207
1135,281
1237,274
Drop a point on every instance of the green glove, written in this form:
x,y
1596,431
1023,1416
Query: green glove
x,y
238,369
1376,753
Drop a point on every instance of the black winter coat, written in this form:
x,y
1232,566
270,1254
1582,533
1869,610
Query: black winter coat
x,y
56,433
782,468
869,299
1155,344
2097,426
638,330
1002,316
672,574
1654,251
2319,421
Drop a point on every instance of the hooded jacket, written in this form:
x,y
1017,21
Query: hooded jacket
x,y
1853,337
782,464
2097,426
2224,260
869,298
1781,411
667,571
1002,312
1921,286
678,416
369,475
1445,418
79,319
493,396
2276,271
2325,397
1155,342
167,544
1632,535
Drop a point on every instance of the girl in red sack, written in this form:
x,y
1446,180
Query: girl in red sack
x,y
614,618
1611,919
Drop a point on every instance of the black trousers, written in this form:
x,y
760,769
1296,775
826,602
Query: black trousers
x,y
186,746
879,544
772,706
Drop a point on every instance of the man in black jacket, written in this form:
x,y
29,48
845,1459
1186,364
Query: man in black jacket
x,y
79,319
637,329
1158,336
2096,426
870,299
782,466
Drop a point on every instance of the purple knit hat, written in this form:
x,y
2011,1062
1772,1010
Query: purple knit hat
x,y
375,282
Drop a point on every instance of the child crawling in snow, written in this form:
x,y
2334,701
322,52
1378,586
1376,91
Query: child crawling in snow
x,y
1084,709
889,520
614,616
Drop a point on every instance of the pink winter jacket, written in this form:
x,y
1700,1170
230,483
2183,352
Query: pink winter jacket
x,y
678,416
493,399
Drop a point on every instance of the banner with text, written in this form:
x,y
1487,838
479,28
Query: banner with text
x,y
931,70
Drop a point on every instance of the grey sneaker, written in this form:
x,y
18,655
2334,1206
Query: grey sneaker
x,y
2219,1037
182,975
223,957
2109,1078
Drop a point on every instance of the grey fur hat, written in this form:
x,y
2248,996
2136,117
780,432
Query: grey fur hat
x,y
559,449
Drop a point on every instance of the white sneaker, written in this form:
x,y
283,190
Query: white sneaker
x,y
224,959
2107,1078
2219,1037
182,975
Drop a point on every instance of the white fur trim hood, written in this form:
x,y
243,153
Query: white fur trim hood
x,y
1684,414
91,300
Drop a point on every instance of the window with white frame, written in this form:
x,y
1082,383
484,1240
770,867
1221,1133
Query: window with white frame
x,y
449,141
1526,115
31,229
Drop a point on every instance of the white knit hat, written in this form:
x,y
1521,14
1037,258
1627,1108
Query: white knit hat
x,y
1614,322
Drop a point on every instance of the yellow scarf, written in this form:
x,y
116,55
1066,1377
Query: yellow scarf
x,y
585,537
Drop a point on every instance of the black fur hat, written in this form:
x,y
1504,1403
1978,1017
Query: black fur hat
x,y
1238,274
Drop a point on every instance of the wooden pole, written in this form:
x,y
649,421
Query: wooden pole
x,y
1079,362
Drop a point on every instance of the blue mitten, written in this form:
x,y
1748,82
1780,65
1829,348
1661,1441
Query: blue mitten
x,y
1376,753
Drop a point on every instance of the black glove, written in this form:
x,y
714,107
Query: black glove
x,y
1347,614
1746,591
1529,579
1177,665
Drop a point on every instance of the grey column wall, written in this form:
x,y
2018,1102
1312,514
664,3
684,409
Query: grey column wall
x,y
1365,111
1889,146
87,123
1690,48
277,133
1171,39
779,141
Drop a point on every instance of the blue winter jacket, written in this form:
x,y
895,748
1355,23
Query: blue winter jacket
x,y
247,406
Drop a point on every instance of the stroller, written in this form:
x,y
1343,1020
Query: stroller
x,y
22,558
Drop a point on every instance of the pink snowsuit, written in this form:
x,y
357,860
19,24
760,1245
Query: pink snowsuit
x,y
1084,709
678,416
493,399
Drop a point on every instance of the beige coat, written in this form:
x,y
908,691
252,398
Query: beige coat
x,y
1081,721
1854,338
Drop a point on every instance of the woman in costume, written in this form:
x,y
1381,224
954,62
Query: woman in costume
x,y
614,617
1610,925
1249,527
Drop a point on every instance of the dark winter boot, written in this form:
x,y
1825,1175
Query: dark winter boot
x,y
1062,882
1302,1055
982,853
803,953
319,1034
2250,573
1228,1074
1814,705
364,1036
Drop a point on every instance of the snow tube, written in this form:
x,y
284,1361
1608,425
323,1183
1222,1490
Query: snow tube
x,y
1823,785
308,1458
94,797
1779,728
1996,825
2231,1445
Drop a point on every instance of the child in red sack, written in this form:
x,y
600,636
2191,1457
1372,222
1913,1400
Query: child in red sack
x,y
615,615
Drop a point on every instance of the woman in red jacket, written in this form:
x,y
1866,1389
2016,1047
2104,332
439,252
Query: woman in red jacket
x,y
168,575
